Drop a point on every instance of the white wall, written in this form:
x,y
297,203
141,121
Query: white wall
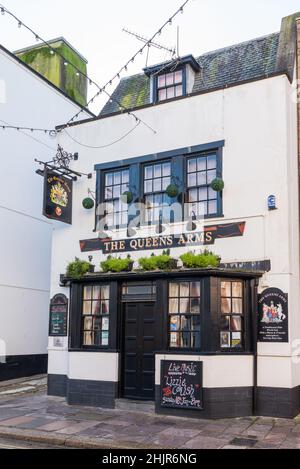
x,y
25,235
257,122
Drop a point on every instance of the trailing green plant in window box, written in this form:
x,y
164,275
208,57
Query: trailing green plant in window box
x,y
203,260
116,264
161,262
78,268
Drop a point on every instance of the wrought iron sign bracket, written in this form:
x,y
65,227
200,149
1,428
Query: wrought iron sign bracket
x,y
61,165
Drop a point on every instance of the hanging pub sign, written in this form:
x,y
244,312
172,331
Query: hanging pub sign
x,y
181,384
201,238
273,316
58,321
58,191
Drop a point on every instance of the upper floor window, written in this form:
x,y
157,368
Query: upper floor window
x,y
170,85
202,199
157,177
116,211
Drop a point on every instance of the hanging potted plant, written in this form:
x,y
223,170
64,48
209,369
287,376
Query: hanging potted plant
x,y
217,185
88,203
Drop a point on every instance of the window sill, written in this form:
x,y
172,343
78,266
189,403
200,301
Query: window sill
x,y
93,350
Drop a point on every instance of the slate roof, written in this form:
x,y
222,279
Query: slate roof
x,y
251,60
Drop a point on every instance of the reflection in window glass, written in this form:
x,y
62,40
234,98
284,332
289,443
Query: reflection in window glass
x,y
202,199
95,313
169,85
116,210
231,335
157,177
184,315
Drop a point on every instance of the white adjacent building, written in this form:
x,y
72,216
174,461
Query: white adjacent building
x,y
229,115
26,99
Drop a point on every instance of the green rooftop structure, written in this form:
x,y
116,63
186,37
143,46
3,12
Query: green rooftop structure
x,y
58,70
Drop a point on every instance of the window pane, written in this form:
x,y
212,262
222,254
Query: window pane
x,y
170,92
211,175
88,323
165,183
87,307
184,289
201,180
196,340
196,323
169,79
104,307
161,81
202,194
173,289
192,179
195,289
178,76
117,178
225,339
116,192
225,323
96,307
148,186
195,306
174,339
184,305
157,171
201,164
173,306
87,293
179,90
212,207
108,193
109,179
105,341
162,95
185,339
211,162
174,323
88,338
237,306
186,324
96,292
237,289
236,323
236,339
225,305
157,185
226,289
166,169
125,176
105,324
148,172
192,165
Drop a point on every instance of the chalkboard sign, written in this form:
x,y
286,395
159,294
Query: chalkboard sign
x,y
58,316
181,384
273,316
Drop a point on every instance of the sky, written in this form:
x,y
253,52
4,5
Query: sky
x,y
94,27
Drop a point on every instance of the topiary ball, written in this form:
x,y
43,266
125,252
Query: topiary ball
x,y
172,191
127,197
217,185
88,203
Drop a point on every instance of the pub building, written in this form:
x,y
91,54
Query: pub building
x,y
206,342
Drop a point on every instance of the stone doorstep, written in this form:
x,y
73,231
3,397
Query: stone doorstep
x,y
76,442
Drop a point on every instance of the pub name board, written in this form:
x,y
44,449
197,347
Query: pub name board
x,y
205,237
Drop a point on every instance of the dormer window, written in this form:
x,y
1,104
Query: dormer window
x,y
170,85
172,79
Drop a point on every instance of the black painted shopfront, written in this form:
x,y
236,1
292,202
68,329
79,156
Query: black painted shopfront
x,y
139,315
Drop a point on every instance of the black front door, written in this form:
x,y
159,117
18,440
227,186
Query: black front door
x,y
138,351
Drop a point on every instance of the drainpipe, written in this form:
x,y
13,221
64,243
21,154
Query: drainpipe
x,y
255,357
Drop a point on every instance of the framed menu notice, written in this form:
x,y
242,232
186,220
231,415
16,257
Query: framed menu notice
x,y
182,384
58,321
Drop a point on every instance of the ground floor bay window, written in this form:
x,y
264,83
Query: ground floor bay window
x,y
197,312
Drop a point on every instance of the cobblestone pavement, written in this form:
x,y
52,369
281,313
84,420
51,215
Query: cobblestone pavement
x,y
49,419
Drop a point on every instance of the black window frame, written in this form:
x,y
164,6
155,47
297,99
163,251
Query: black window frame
x,y
92,316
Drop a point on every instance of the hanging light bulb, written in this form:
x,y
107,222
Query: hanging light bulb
x,y
77,74
170,21
2,11
19,24
37,38
51,51
65,64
